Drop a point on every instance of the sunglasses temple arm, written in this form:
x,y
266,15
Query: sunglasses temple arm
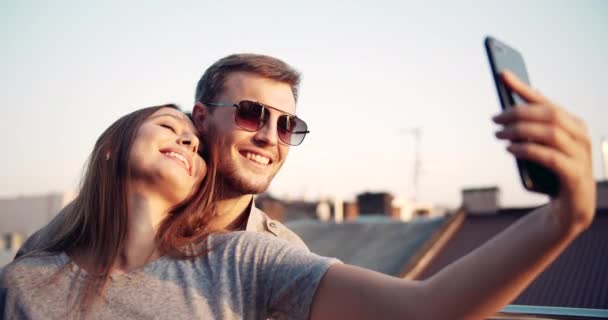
x,y
213,104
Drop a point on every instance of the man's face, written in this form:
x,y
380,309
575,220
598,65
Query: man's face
x,y
249,160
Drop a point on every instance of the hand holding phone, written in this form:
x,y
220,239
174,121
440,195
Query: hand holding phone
x,y
534,177
543,132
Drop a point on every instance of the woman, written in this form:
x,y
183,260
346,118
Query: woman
x,y
142,244
129,249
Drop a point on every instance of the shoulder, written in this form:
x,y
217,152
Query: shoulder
x,y
41,260
260,248
31,283
281,276
251,248
243,241
276,228
280,230
26,269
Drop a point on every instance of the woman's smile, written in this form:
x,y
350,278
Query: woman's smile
x,y
182,158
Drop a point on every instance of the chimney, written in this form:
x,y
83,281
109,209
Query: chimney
x,y
375,203
323,210
481,200
338,210
351,210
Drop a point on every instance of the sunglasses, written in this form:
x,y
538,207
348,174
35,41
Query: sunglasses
x,y
252,116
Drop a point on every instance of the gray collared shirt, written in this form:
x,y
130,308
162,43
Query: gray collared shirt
x,y
258,221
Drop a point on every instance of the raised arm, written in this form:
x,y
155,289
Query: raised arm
x,y
490,277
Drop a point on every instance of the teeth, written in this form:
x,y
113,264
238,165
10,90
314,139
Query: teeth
x,y
179,157
257,158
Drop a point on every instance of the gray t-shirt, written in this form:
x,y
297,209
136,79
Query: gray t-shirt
x,y
247,275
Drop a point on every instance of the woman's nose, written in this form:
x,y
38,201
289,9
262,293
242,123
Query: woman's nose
x,y
190,141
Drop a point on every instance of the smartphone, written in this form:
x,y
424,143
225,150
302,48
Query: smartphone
x,y
534,177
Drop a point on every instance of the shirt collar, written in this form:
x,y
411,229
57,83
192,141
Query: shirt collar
x,y
256,220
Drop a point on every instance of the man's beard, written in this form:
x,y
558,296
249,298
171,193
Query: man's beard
x,y
233,182
230,180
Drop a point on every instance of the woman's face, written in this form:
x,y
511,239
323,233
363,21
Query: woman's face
x,y
164,157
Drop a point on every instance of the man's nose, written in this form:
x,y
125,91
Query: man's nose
x,y
268,135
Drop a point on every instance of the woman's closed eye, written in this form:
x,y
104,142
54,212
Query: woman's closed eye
x,y
168,126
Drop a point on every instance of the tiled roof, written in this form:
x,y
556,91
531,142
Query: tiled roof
x,y
379,244
577,279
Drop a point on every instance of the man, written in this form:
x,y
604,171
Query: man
x,y
245,109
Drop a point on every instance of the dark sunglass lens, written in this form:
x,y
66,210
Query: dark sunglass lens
x,y
292,130
251,115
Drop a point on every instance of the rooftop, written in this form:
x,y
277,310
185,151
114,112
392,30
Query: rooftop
x,y
375,243
417,250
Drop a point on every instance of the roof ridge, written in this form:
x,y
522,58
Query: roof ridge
x,y
423,257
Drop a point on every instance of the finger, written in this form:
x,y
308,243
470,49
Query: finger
x,y
578,120
574,125
521,88
560,164
544,134
540,113
582,129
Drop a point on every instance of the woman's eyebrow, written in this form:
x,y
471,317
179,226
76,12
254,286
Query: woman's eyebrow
x,y
167,115
185,121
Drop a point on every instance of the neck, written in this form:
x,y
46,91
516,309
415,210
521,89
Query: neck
x,y
145,211
232,212
145,214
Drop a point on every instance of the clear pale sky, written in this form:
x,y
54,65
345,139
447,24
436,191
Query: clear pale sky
x,y
370,69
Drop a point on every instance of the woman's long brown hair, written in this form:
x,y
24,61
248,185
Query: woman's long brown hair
x,y
96,222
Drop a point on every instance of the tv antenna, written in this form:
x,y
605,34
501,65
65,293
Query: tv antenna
x,y
416,132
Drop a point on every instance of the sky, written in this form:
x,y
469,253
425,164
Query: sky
x,y
372,70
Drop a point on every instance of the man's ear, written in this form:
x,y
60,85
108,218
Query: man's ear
x,y
199,115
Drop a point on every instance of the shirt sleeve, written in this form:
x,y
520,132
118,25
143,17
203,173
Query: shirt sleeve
x,y
10,306
292,275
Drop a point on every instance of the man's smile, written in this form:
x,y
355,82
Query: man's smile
x,y
258,158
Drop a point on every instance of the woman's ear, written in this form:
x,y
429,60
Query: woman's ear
x,y
108,155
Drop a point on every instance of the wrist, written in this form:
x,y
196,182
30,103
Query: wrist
x,y
559,223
